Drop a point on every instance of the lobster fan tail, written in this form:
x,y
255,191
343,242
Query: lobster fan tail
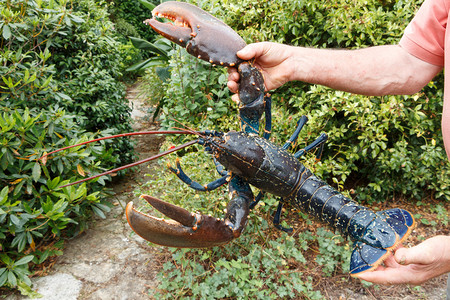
x,y
366,257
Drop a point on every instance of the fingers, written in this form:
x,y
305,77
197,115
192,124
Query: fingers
x,y
388,276
420,254
233,79
383,274
412,265
249,52
390,262
235,98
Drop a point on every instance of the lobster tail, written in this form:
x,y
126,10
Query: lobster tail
x,y
366,257
374,234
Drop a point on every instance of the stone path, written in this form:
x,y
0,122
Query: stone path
x,y
105,262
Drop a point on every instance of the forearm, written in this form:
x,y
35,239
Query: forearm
x,y
445,260
376,71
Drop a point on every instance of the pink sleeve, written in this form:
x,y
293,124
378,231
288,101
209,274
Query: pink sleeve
x,y
425,35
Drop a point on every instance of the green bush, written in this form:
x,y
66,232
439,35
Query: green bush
x,y
130,15
74,61
194,93
34,211
59,79
393,143
89,65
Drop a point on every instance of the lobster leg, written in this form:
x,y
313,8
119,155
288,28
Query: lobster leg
x,y
268,116
297,131
219,168
277,217
252,100
195,185
319,142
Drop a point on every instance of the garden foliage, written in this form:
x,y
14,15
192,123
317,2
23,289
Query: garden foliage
x,y
378,146
393,142
60,67
128,15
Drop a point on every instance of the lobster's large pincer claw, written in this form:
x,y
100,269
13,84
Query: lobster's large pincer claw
x,y
185,230
203,35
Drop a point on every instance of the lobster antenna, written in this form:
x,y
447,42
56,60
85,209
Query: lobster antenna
x,y
135,163
44,157
191,131
185,127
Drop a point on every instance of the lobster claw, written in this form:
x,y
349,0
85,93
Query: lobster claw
x,y
185,230
203,35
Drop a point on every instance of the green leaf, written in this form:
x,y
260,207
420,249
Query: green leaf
x,y
151,62
145,45
3,276
12,280
15,220
6,32
4,195
98,212
24,260
36,171
147,4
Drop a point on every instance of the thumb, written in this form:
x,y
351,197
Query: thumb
x,y
254,50
419,254
248,52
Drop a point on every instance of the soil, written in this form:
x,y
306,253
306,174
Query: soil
x,y
109,262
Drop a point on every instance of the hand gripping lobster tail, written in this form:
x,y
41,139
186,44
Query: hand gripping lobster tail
x,y
374,234
192,230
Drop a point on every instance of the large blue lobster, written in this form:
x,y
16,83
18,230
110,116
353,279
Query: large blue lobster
x,y
250,159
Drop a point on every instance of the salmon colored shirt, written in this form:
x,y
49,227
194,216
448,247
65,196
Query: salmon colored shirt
x,y
428,39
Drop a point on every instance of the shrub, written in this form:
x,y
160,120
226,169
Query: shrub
x,y
133,13
89,66
34,211
194,93
74,61
393,143
44,106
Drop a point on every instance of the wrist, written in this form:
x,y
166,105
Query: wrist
x,y
311,65
299,64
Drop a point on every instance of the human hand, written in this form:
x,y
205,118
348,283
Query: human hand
x,y
413,265
274,61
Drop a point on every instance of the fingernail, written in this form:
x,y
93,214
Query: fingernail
x,y
403,260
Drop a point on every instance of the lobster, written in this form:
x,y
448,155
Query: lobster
x,y
253,160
